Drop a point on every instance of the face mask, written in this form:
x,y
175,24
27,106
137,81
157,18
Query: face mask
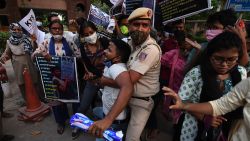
x,y
138,37
17,34
124,29
210,34
58,37
108,63
91,39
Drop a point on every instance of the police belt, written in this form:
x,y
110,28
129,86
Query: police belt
x,y
142,98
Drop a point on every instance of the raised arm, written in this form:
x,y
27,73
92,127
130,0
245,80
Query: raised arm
x,y
229,102
204,108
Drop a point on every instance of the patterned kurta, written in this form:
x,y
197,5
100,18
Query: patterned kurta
x,y
43,48
190,91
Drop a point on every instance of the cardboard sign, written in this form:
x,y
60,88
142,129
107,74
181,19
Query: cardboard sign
x,y
59,78
29,24
173,10
238,5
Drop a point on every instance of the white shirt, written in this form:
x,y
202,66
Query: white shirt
x,y
110,94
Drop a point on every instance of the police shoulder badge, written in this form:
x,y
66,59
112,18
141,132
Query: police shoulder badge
x,y
149,13
143,56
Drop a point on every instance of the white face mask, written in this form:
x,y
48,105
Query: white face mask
x,y
91,39
58,37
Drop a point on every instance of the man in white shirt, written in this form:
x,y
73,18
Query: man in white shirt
x,y
116,55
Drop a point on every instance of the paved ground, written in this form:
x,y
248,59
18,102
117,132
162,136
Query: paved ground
x,y
46,129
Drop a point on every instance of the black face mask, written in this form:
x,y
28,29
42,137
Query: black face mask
x,y
138,37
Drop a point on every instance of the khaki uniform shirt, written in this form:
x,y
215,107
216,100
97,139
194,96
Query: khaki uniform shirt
x,y
145,59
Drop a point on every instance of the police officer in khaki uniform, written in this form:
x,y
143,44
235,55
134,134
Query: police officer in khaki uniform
x,y
144,68
144,71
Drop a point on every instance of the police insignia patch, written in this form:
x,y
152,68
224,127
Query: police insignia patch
x,y
142,56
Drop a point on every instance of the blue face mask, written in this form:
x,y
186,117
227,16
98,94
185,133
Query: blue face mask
x,y
108,63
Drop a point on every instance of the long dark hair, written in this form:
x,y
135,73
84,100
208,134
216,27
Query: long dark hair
x,y
210,89
224,41
85,25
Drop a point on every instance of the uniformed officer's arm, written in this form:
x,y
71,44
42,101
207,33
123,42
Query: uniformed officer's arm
x,y
126,91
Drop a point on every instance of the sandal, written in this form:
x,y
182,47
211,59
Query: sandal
x,y
75,133
60,128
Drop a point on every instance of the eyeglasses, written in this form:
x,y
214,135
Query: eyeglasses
x,y
220,60
56,28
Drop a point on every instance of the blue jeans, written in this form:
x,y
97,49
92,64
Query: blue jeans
x,y
88,96
98,112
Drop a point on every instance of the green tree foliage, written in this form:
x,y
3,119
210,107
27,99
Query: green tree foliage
x,y
217,6
203,16
3,38
103,6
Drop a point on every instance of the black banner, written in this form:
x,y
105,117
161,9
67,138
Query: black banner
x,y
131,5
172,10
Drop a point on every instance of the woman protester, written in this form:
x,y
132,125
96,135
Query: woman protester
x,y
216,74
57,45
19,48
237,97
92,50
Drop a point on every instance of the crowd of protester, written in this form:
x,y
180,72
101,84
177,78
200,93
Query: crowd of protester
x,y
128,71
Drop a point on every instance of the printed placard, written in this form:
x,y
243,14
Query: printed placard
x,y
59,78
173,10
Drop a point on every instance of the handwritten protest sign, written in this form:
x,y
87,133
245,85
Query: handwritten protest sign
x,y
29,24
59,78
172,10
239,5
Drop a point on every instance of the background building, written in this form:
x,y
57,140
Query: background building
x,y
14,10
